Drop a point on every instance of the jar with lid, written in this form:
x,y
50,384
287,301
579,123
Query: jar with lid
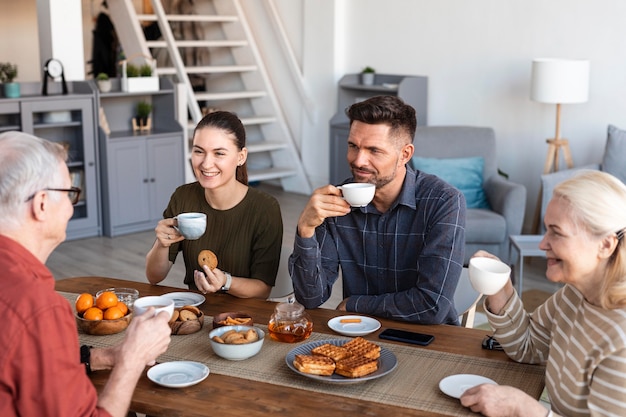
x,y
290,322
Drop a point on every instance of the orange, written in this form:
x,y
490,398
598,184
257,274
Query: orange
x,y
122,307
93,313
113,313
106,299
83,302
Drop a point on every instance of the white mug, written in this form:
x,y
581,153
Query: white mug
x,y
191,225
358,194
160,303
488,275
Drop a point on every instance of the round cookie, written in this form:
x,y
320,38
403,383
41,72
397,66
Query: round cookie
x,y
208,258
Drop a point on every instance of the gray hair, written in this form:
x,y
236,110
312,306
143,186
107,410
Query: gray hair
x,y
597,200
27,164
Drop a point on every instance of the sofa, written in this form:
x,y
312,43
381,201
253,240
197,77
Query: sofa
x,y
465,156
613,162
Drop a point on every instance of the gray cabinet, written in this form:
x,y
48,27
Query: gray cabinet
x,y
140,170
412,89
69,120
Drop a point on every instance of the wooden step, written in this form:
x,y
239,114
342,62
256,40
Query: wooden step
x,y
269,174
236,43
209,70
189,18
265,146
232,95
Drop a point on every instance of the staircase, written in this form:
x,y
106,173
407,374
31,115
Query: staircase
x,y
227,74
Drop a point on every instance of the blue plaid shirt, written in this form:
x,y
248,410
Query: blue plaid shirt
x,y
403,264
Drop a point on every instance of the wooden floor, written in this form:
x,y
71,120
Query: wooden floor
x,y
124,256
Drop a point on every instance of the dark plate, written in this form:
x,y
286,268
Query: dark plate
x,y
386,363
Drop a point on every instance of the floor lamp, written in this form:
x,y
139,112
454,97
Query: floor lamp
x,y
559,81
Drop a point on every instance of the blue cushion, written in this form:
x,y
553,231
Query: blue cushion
x,y
615,153
466,174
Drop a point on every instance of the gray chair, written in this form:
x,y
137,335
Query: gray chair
x,y
465,300
485,229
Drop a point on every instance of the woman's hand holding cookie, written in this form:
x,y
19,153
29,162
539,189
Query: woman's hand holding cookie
x,y
210,279
166,234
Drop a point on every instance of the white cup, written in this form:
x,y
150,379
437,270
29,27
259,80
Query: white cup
x,y
358,194
191,225
159,303
488,275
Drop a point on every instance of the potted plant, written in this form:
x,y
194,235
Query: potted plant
x,y
141,121
139,78
367,76
104,83
8,72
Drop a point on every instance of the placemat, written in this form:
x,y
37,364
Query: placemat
x,y
413,384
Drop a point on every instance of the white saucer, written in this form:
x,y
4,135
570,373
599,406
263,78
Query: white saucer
x,y
366,325
455,385
185,298
178,374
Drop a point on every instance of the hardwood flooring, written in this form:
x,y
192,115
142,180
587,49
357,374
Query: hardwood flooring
x,y
124,256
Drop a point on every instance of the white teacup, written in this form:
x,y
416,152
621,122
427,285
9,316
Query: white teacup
x,y
358,194
488,275
191,225
159,303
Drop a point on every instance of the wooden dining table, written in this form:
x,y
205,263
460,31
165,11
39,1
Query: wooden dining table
x,y
224,395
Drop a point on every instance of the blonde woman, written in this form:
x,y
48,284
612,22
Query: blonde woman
x,y
580,332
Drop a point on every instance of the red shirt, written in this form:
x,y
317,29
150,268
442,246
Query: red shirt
x,y
40,370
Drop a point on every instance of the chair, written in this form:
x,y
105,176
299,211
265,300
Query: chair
x,y
487,229
465,300
283,286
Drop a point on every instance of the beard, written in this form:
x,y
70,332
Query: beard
x,y
376,179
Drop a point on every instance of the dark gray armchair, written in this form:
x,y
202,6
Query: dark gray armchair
x,y
485,229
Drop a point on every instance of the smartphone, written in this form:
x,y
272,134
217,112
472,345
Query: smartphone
x,y
406,336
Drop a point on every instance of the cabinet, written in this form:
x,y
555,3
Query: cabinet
x,y
140,169
69,120
413,90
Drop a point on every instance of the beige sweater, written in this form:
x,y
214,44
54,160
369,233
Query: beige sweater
x,y
582,346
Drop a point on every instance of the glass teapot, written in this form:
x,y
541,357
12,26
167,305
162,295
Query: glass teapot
x,y
290,322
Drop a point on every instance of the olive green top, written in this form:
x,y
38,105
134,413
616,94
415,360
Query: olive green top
x,y
246,238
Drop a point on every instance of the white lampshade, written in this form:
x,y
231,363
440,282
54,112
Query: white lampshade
x,y
560,80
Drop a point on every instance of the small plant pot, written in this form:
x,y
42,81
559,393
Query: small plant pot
x,y
367,78
11,90
142,123
104,86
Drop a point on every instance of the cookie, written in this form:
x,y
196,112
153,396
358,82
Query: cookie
x,y
208,258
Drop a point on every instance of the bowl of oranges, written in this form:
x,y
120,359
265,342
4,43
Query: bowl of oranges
x,y
101,315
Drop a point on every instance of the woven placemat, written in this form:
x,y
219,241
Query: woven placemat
x,y
413,384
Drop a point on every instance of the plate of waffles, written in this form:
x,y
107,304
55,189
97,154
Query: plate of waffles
x,y
353,325
341,361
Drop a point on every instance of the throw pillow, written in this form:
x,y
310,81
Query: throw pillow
x,y
614,160
466,174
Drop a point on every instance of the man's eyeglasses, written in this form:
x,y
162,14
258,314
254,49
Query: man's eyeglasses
x,y
72,193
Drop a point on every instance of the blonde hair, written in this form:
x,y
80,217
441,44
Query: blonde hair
x,y
598,201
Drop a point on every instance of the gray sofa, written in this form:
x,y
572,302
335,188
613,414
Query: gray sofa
x,y
486,229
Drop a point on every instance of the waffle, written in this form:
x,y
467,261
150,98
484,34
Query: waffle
x,y
356,366
336,353
314,364
361,347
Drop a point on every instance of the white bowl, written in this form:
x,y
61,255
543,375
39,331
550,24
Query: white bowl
x,y
159,302
236,352
488,275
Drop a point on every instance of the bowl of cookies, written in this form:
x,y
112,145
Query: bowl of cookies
x,y
186,320
236,343
232,318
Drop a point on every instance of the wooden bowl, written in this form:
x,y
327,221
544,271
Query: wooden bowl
x,y
188,326
103,327
219,319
